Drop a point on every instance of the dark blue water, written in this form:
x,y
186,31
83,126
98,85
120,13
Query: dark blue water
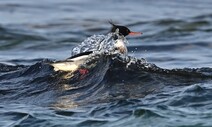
x,y
173,89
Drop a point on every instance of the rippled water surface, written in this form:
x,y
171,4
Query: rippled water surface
x,y
172,89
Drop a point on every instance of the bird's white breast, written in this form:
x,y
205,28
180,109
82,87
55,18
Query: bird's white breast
x,y
121,46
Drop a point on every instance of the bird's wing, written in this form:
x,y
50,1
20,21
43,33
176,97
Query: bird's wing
x,y
80,54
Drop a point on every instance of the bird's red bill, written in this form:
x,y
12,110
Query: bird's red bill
x,y
135,33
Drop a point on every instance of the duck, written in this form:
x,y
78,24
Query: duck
x,y
74,63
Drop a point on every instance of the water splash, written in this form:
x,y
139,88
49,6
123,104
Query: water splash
x,y
100,43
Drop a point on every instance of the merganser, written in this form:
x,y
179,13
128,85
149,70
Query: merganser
x,y
73,63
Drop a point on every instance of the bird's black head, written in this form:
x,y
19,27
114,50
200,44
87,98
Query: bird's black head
x,y
123,30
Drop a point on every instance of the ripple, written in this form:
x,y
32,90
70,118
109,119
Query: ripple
x,y
119,91
146,113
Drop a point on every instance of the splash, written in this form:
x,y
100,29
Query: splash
x,y
100,43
